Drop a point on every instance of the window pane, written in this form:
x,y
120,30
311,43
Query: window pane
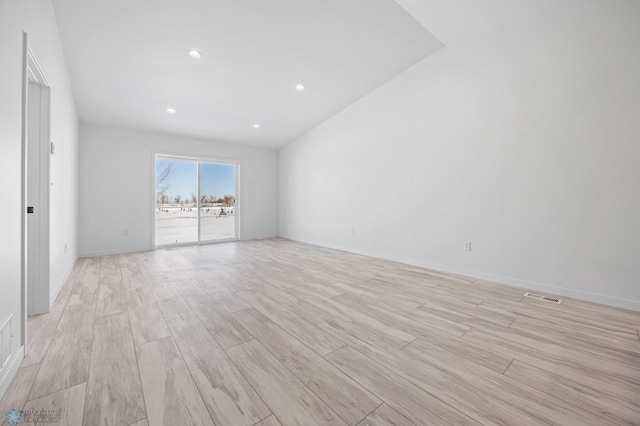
x,y
218,201
176,201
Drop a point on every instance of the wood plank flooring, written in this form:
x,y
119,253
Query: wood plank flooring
x,y
277,333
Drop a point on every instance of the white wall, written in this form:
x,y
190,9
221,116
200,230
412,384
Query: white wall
x,y
116,170
36,17
522,135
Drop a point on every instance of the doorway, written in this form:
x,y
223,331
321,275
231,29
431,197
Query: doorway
x,y
195,201
37,187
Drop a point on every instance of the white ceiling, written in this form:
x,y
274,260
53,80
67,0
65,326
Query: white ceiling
x,y
128,62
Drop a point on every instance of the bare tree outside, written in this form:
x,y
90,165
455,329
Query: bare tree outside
x,y
163,184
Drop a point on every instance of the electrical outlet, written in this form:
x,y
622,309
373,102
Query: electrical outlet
x,y
125,232
467,246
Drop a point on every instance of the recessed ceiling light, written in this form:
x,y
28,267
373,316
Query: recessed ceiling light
x,y
256,126
299,87
171,110
194,54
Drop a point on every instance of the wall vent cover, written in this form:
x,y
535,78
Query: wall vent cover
x,y
542,297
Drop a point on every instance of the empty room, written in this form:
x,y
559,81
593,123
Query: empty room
x,y
320,212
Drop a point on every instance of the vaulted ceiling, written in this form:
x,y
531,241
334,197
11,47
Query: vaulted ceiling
x,y
128,62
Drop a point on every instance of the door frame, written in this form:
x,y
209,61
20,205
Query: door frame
x,y
190,157
33,74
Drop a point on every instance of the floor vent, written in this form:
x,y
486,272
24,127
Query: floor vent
x,y
541,297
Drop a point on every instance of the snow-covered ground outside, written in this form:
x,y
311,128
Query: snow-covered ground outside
x,y
175,225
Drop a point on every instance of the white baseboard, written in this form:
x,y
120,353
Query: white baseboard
x,y
113,251
514,282
65,277
6,378
251,237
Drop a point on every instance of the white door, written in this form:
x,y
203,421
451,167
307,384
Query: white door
x,y
37,198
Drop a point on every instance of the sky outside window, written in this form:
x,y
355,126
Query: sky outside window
x,y
216,179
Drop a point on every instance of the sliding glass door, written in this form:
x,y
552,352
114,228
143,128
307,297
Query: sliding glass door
x,y
195,201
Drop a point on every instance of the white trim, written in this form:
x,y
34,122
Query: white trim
x,y
237,208
34,71
7,377
198,198
254,237
152,211
63,281
23,197
163,247
500,279
82,255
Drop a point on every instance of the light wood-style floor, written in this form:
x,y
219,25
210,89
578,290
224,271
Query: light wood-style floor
x,y
274,332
